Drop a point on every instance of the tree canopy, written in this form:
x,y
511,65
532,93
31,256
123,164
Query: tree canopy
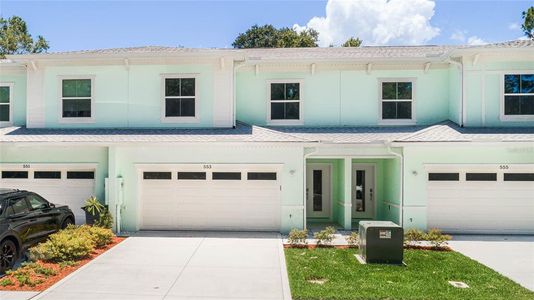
x,y
267,36
15,38
528,23
352,42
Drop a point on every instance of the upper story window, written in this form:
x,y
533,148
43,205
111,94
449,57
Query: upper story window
x,y
180,100
518,96
77,99
6,106
396,100
285,102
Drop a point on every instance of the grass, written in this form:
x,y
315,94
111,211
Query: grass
x,y
328,273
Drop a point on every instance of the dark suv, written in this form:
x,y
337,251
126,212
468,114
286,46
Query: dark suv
x,y
26,219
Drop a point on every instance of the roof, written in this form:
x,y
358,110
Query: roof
x,y
242,133
451,132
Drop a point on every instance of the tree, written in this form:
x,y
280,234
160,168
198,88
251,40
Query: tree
x,y
352,42
528,24
15,38
267,36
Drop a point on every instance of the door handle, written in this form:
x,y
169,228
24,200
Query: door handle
x,y
371,194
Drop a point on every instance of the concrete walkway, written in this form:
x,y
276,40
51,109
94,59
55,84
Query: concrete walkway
x,y
182,265
8,295
512,256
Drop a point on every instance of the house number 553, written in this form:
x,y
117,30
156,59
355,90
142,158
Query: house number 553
x,y
26,166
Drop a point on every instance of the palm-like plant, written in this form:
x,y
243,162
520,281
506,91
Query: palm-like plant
x,y
93,206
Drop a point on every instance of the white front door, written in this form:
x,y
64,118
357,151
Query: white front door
x,y
318,190
363,191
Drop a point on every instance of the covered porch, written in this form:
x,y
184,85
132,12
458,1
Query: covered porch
x,y
341,191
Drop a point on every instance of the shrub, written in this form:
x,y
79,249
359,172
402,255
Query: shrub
x,y
437,239
23,276
353,239
297,237
6,282
100,236
67,263
412,236
69,244
105,219
325,236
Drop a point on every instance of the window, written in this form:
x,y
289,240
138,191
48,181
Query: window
x,y
285,101
180,97
518,176
519,95
157,175
261,176
443,176
47,175
80,175
481,177
36,202
5,103
76,98
14,174
396,100
18,206
191,175
226,176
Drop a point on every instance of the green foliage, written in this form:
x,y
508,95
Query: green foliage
x,y
15,38
436,238
325,236
67,263
23,276
352,42
105,219
93,206
267,36
69,244
297,237
38,269
99,235
412,236
528,22
6,282
353,239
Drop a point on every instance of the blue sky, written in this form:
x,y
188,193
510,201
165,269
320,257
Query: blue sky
x,y
74,25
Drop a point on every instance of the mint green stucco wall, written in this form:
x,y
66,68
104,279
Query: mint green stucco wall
x,y
291,176
343,97
18,103
415,176
128,97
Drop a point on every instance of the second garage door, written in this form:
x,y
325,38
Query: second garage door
x,y
486,199
210,197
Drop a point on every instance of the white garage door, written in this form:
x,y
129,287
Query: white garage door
x,y
481,199
210,197
58,183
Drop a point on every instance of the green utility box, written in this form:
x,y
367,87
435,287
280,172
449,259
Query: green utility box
x,y
381,242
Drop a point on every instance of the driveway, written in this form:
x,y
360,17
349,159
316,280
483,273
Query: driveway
x,y
512,256
182,265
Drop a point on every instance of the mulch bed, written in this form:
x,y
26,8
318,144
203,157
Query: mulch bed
x,y
61,272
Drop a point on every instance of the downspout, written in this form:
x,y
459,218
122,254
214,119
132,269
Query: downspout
x,y
401,157
462,107
237,66
304,185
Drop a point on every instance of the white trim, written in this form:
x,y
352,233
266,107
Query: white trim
x,y
512,118
10,85
411,121
300,120
330,166
76,120
165,119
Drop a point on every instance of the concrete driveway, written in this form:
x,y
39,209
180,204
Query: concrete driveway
x,y
182,265
512,256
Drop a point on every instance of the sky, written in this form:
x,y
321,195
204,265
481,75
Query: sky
x,y
78,25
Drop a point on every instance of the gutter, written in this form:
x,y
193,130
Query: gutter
x,y
401,157
462,107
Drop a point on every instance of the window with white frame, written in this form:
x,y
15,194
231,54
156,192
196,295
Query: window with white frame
x,y
180,97
397,100
5,103
519,95
76,98
285,101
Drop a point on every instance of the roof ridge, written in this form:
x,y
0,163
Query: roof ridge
x,y
424,130
280,133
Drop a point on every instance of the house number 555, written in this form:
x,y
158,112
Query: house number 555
x,y
26,166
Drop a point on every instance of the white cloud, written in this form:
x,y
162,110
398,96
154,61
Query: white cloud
x,y
379,22
459,35
514,26
462,37
475,40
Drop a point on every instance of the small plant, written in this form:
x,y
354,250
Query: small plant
x,y
22,275
325,236
6,282
67,263
437,239
412,236
64,245
105,220
353,239
93,206
297,237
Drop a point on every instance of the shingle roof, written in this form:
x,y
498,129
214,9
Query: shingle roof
x,y
140,50
242,133
451,132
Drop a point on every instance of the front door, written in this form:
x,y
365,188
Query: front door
x,y
318,191
363,191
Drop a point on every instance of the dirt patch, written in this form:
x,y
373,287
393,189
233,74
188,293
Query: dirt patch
x,y
41,282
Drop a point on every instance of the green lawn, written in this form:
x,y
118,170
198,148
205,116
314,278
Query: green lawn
x,y
424,277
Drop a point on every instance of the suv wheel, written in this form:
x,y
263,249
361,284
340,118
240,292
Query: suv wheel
x,y
8,255
67,222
